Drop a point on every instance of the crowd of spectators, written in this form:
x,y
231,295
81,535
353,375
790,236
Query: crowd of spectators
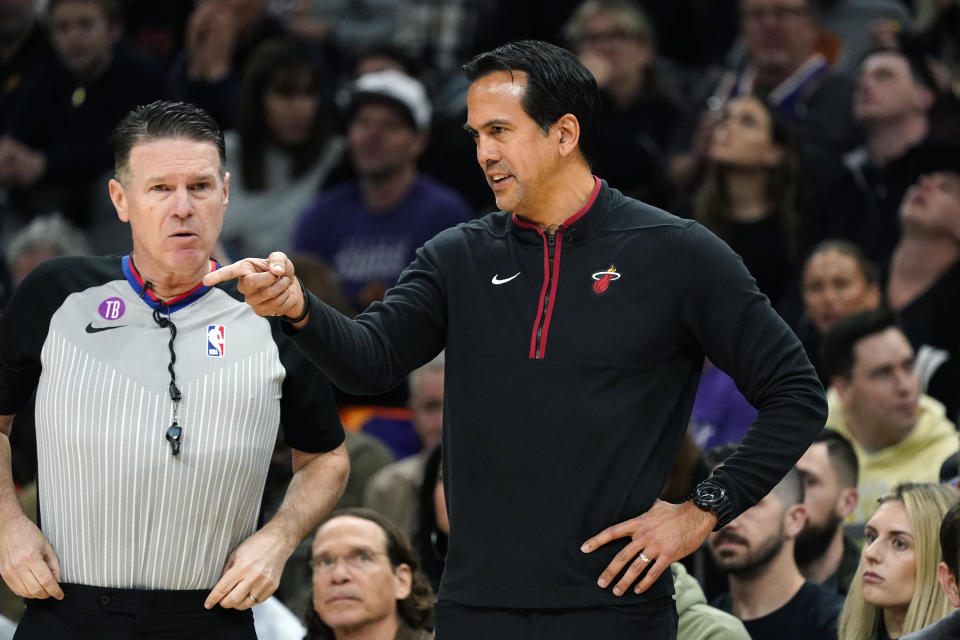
x,y
819,138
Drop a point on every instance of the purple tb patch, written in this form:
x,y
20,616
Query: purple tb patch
x,y
112,308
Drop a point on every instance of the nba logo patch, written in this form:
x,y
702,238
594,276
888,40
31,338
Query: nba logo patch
x,y
216,341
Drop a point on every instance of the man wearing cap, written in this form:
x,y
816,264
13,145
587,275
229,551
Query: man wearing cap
x,y
367,230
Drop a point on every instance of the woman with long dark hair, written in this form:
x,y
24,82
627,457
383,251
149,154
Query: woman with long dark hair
x,y
282,151
749,196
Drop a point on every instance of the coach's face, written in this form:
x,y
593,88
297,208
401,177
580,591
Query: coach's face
x,y
516,156
174,197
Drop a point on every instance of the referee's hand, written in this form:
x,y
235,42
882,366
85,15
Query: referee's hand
x,y
27,561
267,284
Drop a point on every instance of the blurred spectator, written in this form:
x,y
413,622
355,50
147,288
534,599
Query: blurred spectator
x,y
439,33
638,114
784,70
892,105
157,28
720,412
937,37
837,281
853,23
433,523
23,47
366,582
58,145
696,619
895,591
349,26
924,282
823,553
5,287
221,36
381,57
948,574
368,456
749,196
282,151
368,230
45,237
395,490
274,621
695,34
899,434
767,591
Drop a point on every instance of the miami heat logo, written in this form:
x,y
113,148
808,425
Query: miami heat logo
x,y
604,278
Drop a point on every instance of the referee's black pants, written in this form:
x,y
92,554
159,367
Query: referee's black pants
x,y
656,620
95,613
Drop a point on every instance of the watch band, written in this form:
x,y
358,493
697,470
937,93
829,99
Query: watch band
x,y
712,496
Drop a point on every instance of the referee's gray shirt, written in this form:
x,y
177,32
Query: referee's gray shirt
x,y
119,509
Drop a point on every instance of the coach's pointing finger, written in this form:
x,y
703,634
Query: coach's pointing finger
x,y
268,285
245,267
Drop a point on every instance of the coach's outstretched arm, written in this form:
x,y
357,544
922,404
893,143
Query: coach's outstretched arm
x,y
28,562
370,353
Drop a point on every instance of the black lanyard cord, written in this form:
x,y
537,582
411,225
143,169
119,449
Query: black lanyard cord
x,y
175,431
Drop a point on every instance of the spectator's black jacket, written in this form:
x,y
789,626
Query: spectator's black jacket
x,y
566,399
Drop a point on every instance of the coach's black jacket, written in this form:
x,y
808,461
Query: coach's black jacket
x,y
569,384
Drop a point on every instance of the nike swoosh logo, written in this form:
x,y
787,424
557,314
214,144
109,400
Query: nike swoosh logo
x,y
497,280
93,329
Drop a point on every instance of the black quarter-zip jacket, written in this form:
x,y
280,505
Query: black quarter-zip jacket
x,y
572,365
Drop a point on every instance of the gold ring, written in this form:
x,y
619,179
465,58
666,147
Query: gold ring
x,y
645,558
250,595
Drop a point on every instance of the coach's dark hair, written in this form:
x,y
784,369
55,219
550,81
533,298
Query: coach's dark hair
x,y
417,608
837,349
842,457
950,540
159,120
557,84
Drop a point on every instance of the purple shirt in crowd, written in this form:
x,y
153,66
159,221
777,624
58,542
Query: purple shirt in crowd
x,y
364,247
720,412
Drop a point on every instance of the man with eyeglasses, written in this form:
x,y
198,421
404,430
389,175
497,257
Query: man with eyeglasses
x,y
158,405
366,583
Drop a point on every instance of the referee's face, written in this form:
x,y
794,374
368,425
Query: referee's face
x,y
174,197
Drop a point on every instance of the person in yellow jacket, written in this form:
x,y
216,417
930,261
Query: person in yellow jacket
x,y
899,434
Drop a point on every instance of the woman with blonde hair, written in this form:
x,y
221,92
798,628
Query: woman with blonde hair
x,y
895,591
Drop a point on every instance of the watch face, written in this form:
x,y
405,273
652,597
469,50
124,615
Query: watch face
x,y
710,494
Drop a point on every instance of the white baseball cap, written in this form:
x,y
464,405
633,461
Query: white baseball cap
x,y
395,86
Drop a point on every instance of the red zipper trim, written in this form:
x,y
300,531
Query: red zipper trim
x,y
543,290
553,295
556,272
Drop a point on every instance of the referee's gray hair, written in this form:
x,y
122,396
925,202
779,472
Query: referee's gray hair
x,y
437,364
161,120
51,231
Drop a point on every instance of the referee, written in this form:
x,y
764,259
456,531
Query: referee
x,y
158,405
